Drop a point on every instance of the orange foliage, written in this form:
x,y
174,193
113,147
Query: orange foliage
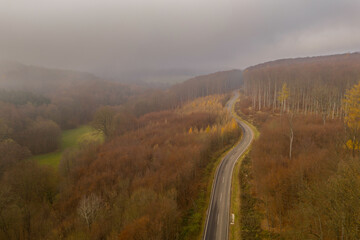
x,y
278,179
161,160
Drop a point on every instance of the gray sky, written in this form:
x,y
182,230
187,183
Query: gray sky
x,y
120,37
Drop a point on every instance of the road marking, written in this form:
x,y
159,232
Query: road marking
x,y
232,219
237,152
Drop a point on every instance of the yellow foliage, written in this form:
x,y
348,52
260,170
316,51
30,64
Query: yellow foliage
x,y
210,104
351,104
214,129
207,130
350,144
284,93
234,124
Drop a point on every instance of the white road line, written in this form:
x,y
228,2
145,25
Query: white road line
x,y
222,224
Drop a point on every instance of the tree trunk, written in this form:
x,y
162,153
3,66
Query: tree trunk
x,y
291,136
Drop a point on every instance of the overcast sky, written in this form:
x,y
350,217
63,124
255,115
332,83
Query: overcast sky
x,y
118,37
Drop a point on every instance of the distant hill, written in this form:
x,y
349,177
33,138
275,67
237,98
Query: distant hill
x,y
347,59
200,86
73,96
204,85
339,71
316,84
17,76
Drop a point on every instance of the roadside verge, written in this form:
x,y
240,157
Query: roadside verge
x,y
235,201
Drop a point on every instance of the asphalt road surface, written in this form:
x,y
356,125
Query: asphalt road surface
x,y
218,216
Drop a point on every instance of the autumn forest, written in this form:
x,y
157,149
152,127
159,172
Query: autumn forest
x,y
145,165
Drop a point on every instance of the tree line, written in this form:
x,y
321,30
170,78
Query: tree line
x,y
157,147
306,171
138,185
315,85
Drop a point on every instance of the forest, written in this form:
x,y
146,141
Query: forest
x,y
305,164
316,85
141,183
149,178
179,120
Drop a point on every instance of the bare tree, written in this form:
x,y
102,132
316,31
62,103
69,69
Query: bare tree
x,y
89,207
291,134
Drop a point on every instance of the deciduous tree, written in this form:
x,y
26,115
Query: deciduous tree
x,y
104,120
351,104
89,207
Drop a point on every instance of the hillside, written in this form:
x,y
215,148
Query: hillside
x,y
345,59
18,76
301,178
68,98
179,94
315,84
215,83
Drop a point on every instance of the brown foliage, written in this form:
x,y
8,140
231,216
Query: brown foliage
x,y
316,85
28,192
148,177
10,154
147,174
279,180
41,136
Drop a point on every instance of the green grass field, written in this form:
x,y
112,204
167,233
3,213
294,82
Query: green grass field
x,y
69,139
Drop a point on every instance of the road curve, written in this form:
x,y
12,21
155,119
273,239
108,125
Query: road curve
x,y
218,215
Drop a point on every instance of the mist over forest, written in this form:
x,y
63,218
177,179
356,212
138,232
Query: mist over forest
x,y
179,120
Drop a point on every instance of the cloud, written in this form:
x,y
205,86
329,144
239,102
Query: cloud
x,y
119,38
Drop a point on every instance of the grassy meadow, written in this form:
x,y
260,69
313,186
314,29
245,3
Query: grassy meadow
x,y
69,139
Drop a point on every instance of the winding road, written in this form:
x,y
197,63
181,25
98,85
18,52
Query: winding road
x,y
218,215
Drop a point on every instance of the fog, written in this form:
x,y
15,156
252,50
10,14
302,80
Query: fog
x,y
131,39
